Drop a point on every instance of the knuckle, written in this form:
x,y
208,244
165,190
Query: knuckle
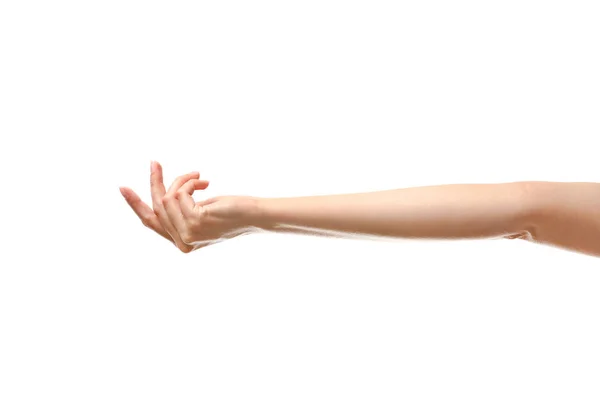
x,y
194,225
145,222
186,237
185,249
202,215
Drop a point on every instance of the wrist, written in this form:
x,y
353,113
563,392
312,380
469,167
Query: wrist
x,y
254,211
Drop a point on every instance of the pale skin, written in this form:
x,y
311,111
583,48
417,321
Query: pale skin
x,y
560,214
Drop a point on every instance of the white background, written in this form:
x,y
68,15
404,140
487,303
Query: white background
x,y
286,98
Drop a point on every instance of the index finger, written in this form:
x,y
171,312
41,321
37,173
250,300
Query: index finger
x,y
144,212
184,194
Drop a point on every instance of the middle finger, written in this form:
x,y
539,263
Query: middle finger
x,y
158,192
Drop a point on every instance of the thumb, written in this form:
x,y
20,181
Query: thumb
x,y
207,201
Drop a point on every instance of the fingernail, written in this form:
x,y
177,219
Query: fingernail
x,y
151,165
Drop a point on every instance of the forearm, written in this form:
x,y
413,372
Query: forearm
x,y
442,212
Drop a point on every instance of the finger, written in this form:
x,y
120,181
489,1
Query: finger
x,y
207,201
157,186
172,204
158,195
180,180
184,194
144,212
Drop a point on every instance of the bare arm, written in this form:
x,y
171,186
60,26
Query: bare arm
x,y
561,214
438,212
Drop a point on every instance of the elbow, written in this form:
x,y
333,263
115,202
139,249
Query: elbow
x,y
562,214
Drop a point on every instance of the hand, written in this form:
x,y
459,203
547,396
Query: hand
x,y
188,224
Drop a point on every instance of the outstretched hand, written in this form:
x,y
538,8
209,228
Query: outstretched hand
x,y
188,224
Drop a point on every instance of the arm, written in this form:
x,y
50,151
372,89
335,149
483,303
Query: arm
x,y
561,214
438,212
